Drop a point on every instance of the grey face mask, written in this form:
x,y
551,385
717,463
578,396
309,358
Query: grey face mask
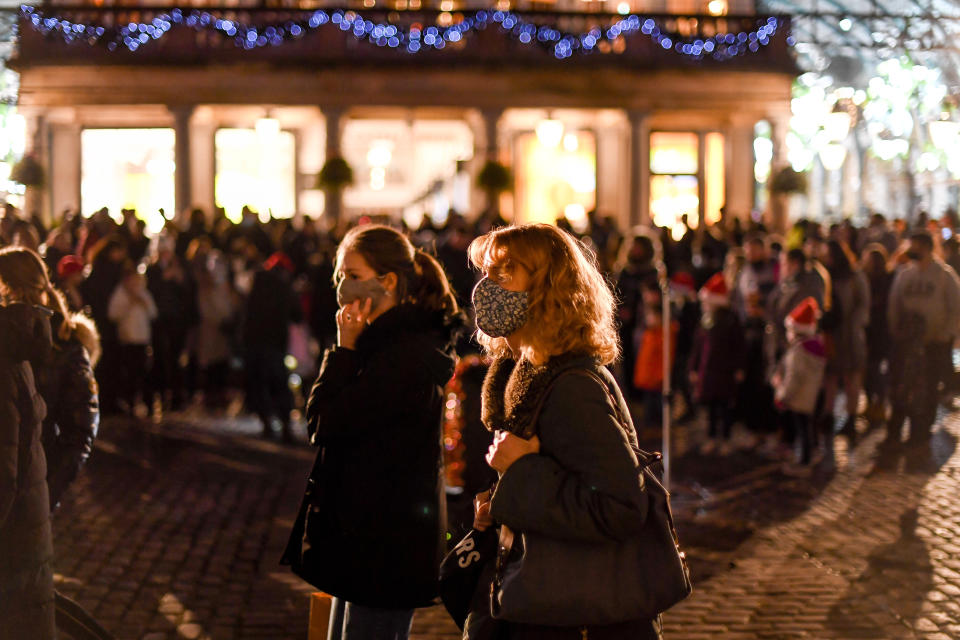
x,y
349,291
499,312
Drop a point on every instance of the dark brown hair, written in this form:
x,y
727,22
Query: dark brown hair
x,y
420,278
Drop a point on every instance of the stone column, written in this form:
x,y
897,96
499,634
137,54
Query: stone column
x,y
333,198
639,167
182,197
488,149
36,143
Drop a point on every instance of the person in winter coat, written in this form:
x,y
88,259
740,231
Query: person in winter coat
x,y
66,383
648,371
717,362
924,314
847,345
26,572
797,283
271,308
133,310
875,384
542,309
797,380
639,270
372,523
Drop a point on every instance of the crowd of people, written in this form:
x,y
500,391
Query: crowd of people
x,y
208,306
766,330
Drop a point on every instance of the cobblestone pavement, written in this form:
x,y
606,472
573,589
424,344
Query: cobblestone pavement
x,y
174,531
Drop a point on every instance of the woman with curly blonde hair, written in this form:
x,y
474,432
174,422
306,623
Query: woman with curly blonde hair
x,y
564,443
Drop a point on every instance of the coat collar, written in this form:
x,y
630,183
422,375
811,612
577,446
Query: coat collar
x,y
512,390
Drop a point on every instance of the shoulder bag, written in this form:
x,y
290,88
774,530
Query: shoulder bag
x,y
545,581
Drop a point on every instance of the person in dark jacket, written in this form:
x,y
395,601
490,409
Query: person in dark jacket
x,y
875,385
66,382
639,271
272,307
26,572
543,308
372,524
717,362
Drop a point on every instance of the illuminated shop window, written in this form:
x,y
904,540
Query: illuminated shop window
x,y
676,172
412,168
762,161
715,177
128,169
256,168
674,186
557,175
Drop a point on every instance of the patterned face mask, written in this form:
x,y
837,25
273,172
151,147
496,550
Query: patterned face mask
x,y
350,290
499,312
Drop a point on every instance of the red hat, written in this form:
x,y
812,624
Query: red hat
x,y
68,266
279,259
683,281
715,291
803,318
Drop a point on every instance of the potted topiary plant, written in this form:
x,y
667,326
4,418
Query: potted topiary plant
x,y
28,172
494,178
784,183
335,176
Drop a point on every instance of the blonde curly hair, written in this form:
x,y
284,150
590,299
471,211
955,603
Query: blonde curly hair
x,y
571,305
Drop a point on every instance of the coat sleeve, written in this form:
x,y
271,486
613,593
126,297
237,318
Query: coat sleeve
x,y
352,399
862,303
584,484
9,444
77,420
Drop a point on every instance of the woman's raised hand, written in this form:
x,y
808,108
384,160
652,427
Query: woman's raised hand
x,y
482,520
508,448
351,321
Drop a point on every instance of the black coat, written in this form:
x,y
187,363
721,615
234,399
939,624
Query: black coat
x,y
26,547
719,352
271,307
69,388
372,524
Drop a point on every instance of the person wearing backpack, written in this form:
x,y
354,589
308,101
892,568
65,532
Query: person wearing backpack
x,y
564,446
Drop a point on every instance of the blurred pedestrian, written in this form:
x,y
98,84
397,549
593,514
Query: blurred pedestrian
x,y
375,413
133,310
717,363
924,312
70,278
797,379
271,308
876,378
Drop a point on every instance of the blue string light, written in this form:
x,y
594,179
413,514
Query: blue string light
x,y
412,39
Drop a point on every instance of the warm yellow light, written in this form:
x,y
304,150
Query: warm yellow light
x,y
267,127
672,197
717,7
623,8
944,133
832,156
714,174
378,178
570,142
380,153
550,132
673,153
836,125
554,182
446,5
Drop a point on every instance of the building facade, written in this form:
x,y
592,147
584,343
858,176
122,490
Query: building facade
x,y
229,105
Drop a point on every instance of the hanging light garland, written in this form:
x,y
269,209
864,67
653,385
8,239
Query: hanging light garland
x,y
413,38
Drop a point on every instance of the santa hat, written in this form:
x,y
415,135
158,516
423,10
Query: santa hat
x,y
279,259
715,291
803,318
68,266
683,283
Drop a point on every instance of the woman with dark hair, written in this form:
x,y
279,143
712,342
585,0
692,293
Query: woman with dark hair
x,y
372,523
846,333
639,270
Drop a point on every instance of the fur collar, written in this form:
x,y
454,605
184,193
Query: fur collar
x,y
512,390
